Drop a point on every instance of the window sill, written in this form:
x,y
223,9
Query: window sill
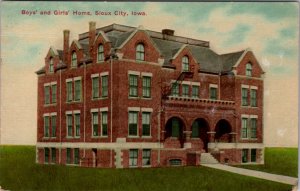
x,y
95,136
76,137
46,137
133,166
133,97
73,102
195,138
104,136
100,62
146,166
249,139
133,136
99,98
49,104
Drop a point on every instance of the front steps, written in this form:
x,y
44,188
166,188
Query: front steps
x,y
207,158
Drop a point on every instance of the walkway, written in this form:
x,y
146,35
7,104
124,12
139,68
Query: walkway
x,y
254,173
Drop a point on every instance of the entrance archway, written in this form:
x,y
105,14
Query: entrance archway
x,y
200,128
223,130
174,128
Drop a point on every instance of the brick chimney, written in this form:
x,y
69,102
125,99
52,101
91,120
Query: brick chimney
x,y
92,35
66,45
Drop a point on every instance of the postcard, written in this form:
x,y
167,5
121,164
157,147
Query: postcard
x,y
176,95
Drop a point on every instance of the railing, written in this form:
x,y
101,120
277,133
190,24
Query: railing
x,y
191,99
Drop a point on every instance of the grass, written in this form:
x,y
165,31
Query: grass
x,y
283,161
18,171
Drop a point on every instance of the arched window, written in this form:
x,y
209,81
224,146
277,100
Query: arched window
x,y
140,52
100,54
51,65
74,60
249,69
185,64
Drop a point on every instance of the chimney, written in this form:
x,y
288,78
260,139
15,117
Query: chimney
x,y
92,34
169,32
66,45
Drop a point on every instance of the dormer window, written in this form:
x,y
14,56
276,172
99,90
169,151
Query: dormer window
x,y
51,65
185,64
248,69
74,60
140,52
100,54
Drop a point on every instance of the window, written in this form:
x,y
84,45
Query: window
x,y
195,130
140,52
248,69
185,90
46,126
133,157
46,155
133,85
146,157
53,91
104,123
175,162
253,123
53,126
146,123
133,127
77,125
195,91
253,155
69,91
95,124
244,96
100,53
175,128
253,102
244,155
47,94
146,86
68,156
74,60
175,89
76,156
185,64
69,125
95,87
104,85
213,93
53,155
77,90
51,65
244,127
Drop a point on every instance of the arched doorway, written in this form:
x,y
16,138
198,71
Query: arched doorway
x,y
223,130
174,128
200,128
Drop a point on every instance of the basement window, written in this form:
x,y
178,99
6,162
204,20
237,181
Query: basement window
x,y
175,162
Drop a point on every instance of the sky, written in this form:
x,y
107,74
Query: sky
x,y
270,29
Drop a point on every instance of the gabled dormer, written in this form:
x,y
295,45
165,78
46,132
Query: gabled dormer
x,y
76,54
248,66
52,59
138,46
184,60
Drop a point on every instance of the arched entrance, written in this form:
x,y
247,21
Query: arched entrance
x,y
200,128
174,128
223,130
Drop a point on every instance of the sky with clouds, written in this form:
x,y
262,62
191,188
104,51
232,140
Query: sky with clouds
x,y
270,29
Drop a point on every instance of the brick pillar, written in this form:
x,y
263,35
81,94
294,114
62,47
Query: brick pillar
x,y
187,139
233,137
211,136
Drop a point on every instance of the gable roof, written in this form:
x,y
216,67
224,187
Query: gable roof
x,y
167,45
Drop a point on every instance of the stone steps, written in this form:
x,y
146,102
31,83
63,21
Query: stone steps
x,y
207,158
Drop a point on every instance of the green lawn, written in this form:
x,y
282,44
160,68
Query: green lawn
x,y
283,161
18,171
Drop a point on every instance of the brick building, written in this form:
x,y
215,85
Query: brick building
x,y
122,96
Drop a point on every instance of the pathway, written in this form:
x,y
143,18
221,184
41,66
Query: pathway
x,y
254,173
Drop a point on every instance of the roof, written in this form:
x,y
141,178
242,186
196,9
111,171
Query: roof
x,y
167,45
